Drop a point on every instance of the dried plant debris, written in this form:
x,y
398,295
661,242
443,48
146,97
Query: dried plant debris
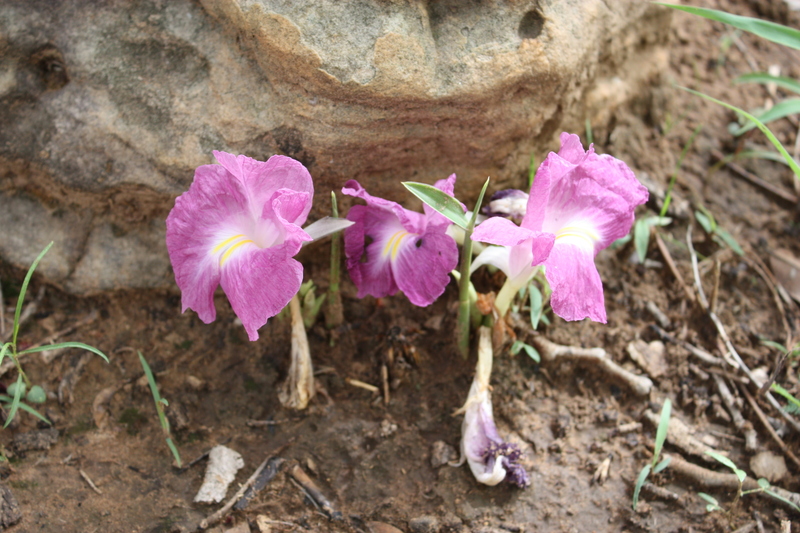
x,y
223,463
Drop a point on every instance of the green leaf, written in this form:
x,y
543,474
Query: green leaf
x,y
765,130
58,345
713,504
4,350
26,408
439,201
18,392
662,465
772,344
160,402
641,238
23,290
784,500
740,474
531,171
36,395
639,483
707,223
532,353
728,239
763,483
663,429
786,394
790,84
536,303
782,109
763,28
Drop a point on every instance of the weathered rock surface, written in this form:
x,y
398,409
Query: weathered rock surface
x,y
107,107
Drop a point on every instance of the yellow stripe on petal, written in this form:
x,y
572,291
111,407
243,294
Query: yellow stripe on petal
x,y
393,244
230,250
225,243
587,234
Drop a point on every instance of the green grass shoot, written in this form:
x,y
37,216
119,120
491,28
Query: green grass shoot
x,y
160,403
334,314
655,466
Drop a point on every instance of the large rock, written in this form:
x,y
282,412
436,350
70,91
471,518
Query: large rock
x,y
107,107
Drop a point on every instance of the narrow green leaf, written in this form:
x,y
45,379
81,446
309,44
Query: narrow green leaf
x,y
704,221
174,451
18,392
662,465
786,394
784,500
439,201
23,290
639,484
713,504
58,345
536,304
531,171
772,344
4,350
516,347
533,353
782,109
765,130
768,30
27,408
160,402
790,84
722,459
589,134
663,429
641,238
728,239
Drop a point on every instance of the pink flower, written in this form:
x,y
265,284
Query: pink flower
x,y
238,226
390,248
580,202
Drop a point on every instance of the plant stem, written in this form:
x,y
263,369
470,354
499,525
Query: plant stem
x,y
334,316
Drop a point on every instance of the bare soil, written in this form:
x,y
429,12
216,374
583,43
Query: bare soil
x,y
374,462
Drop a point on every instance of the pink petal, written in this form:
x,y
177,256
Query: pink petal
x,y
423,265
501,231
259,283
190,236
576,285
371,273
262,179
411,221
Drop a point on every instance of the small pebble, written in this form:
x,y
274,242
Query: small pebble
x,y
382,527
442,453
424,524
768,465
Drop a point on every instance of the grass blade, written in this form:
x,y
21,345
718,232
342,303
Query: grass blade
x,y
27,408
66,345
790,84
663,429
440,201
768,30
15,401
23,290
151,380
765,130
780,110
639,483
464,303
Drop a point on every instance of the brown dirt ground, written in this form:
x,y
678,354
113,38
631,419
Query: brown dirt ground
x,y
562,415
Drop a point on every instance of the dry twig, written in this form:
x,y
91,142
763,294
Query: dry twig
x,y
673,268
742,425
550,351
214,518
88,480
723,334
772,433
755,180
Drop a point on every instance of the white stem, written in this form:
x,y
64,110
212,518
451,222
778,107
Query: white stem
x,y
298,389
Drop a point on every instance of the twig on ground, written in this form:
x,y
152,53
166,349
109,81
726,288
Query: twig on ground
x,y
772,433
759,522
266,475
759,266
88,480
662,319
200,457
694,350
262,423
385,381
709,479
673,268
746,528
723,334
742,425
662,493
362,385
217,516
551,351
314,493
755,180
